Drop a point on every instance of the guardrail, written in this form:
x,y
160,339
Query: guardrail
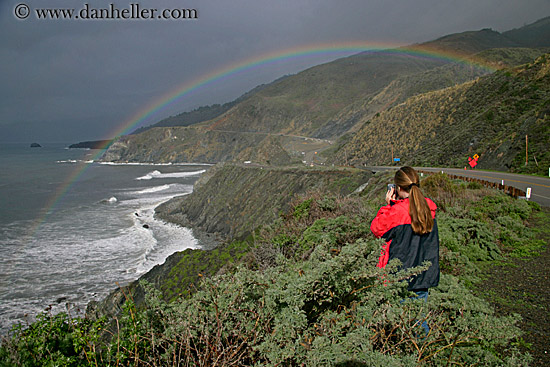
x,y
510,190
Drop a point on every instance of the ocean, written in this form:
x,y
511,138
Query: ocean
x,y
72,229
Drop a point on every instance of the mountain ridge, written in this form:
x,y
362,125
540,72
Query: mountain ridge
x,y
489,116
296,117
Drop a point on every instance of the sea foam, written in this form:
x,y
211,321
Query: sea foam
x,y
153,189
158,174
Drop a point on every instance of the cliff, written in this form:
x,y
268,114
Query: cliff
x,y
94,144
198,145
228,203
233,199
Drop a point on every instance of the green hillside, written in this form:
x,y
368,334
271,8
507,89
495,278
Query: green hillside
x,y
201,114
471,42
489,116
350,118
499,58
296,117
532,35
304,103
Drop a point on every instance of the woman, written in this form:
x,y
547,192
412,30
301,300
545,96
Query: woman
x,y
408,225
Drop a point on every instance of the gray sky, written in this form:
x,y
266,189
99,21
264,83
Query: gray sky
x,y
73,80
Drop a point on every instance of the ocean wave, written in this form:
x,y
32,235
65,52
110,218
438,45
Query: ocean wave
x,y
158,174
111,200
75,161
152,164
153,189
133,164
158,239
150,175
181,174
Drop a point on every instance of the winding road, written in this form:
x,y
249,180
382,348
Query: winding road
x,y
540,186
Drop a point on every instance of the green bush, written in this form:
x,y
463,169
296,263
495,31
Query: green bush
x,y
332,232
302,210
498,205
473,185
314,297
442,190
52,340
329,310
471,238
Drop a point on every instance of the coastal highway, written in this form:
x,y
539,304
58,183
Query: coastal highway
x,y
540,186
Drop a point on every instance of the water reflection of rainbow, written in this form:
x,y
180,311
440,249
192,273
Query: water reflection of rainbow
x,y
220,75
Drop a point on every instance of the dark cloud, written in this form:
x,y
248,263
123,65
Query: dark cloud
x,y
80,79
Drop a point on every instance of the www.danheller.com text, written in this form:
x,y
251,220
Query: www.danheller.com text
x,y
133,11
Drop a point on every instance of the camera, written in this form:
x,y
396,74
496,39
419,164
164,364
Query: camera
x,y
394,195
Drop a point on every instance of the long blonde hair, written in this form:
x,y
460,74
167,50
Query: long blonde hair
x,y
421,217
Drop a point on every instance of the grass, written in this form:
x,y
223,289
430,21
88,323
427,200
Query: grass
x,y
518,285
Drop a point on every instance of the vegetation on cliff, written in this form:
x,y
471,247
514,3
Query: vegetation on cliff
x,y
308,292
236,199
489,117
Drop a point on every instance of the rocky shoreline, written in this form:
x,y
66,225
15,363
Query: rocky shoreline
x,y
168,212
227,204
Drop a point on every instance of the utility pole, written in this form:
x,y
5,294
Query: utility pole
x,y
526,149
346,155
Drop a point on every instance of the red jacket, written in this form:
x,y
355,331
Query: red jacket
x,y
393,223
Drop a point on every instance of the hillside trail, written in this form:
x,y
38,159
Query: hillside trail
x,y
522,286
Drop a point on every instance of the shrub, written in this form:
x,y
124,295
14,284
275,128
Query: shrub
x,y
302,210
333,309
498,205
333,232
52,340
442,190
473,185
315,219
471,238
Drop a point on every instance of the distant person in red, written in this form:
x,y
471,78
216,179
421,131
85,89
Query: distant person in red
x,y
472,162
408,225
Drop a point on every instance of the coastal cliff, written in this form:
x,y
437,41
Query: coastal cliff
x,y
231,200
198,145
228,202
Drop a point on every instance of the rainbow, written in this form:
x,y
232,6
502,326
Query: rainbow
x,y
277,57
218,76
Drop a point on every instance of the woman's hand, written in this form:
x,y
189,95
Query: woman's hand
x,y
390,195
